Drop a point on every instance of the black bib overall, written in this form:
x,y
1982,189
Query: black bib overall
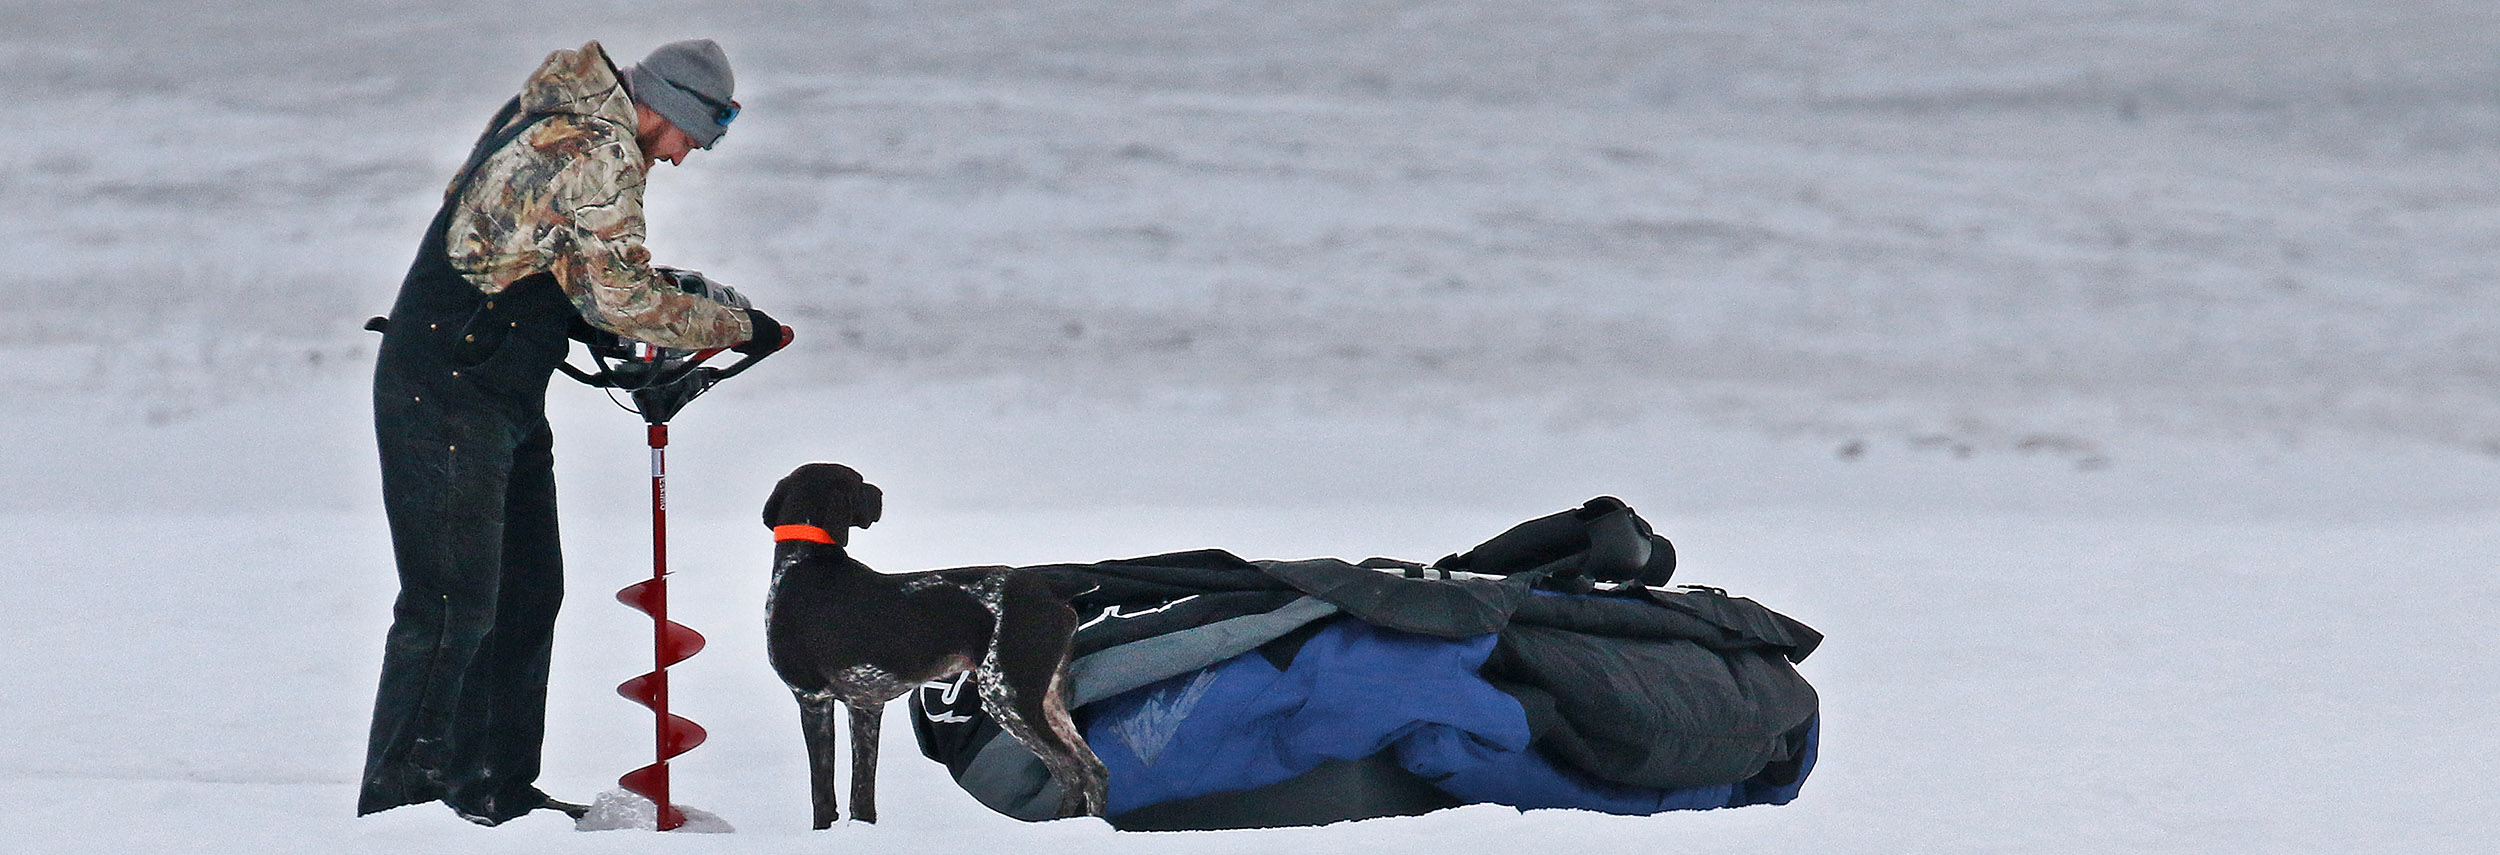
x,y
459,398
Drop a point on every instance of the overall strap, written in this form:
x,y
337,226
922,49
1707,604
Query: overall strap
x,y
500,131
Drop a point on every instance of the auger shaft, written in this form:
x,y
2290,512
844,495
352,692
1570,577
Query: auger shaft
x,y
671,643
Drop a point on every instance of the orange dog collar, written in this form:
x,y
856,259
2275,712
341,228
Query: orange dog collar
x,y
803,532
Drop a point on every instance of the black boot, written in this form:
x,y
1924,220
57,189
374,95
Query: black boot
x,y
575,810
493,811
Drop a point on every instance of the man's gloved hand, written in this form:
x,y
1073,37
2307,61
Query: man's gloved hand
x,y
694,282
767,337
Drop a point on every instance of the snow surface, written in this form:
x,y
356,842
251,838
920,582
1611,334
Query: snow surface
x,y
2113,381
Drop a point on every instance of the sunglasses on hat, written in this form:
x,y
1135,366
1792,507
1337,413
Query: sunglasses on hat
x,y
721,113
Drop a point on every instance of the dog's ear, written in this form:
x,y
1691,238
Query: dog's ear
x,y
867,504
772,506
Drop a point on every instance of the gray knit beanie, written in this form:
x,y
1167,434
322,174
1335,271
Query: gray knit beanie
x,y
689,84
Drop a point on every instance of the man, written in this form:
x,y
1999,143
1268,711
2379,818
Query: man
x,y
541,229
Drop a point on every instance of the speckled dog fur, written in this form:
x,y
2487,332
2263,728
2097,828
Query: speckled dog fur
x,y
841,633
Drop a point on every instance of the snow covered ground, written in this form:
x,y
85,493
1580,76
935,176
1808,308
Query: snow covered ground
x,y
2116,383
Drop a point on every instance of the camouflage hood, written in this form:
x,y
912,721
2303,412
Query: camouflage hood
x,y
581,82
565,198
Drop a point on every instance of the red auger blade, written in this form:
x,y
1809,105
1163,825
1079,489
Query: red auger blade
x,y
645,780
677,641
649,595
651,782
644,690
681,736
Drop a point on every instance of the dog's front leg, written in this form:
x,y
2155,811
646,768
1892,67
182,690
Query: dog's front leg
x,y
865,722
817,720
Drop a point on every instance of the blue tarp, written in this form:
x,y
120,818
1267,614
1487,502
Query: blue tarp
x,y
1353,690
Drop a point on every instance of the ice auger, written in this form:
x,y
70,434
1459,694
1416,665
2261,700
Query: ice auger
x,y
658,382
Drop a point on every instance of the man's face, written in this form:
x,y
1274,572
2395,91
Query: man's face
x,y
667,143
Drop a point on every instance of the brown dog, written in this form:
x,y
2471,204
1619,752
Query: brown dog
x,y
840,632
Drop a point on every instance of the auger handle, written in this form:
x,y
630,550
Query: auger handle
x,y
692,365
787,336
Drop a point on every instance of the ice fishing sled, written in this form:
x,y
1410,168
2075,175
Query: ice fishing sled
x,y
1550,667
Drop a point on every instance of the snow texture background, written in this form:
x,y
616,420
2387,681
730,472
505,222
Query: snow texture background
x,y
2116,382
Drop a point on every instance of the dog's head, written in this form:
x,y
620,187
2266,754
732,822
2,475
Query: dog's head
x,y
829,496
